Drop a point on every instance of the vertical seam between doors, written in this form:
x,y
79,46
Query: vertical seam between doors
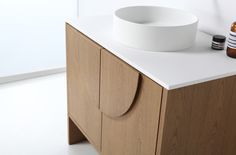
x,y
159,119
99,105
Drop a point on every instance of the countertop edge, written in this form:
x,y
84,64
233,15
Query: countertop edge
x,y
158,81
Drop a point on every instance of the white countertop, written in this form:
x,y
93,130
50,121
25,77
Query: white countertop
x,y
169,69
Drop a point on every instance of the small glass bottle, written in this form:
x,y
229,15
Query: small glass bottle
x,y
231,49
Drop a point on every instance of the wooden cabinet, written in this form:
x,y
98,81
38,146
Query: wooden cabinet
x,y
123,112
83,70
130,103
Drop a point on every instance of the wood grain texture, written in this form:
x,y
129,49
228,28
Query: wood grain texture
x,y
83,70
134,133
119,83
74,133
199,119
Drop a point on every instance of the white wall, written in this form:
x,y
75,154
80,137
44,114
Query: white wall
x,y
215,16
32,35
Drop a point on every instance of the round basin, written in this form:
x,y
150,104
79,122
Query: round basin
x,y
155,28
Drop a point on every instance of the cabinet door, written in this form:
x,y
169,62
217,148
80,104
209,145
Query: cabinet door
x,y
83,74
131,104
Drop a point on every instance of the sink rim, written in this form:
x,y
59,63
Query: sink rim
x,y
117,14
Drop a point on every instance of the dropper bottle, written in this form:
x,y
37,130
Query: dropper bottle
x,y
231,49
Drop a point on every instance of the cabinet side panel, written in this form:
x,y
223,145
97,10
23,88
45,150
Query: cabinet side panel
x,y
74,134
83,76
199,119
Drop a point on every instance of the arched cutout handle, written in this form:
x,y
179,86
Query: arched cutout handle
x,y
119,84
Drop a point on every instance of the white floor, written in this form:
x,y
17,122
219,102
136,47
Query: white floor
x,y
33,119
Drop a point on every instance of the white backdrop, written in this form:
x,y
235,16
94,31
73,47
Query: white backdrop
x,y
32,35
215,16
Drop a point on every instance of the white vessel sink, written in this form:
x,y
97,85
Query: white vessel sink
x,y
155,28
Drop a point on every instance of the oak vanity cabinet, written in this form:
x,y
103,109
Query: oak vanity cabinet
x,y
123,112
83,70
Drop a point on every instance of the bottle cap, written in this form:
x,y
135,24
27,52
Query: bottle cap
x,y
219,38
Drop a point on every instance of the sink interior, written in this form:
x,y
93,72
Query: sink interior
x,y
151,16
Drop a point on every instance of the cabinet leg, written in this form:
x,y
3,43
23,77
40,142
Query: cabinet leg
x,y
75,135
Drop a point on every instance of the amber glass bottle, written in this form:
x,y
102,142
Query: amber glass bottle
x,y
231,49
